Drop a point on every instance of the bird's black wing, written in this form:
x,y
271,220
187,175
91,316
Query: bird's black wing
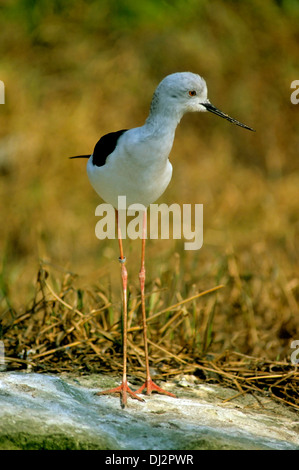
x,y
105,146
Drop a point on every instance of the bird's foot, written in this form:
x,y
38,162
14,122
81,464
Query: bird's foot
x,y
150,387
123,390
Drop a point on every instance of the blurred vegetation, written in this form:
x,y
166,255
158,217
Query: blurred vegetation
x,y
75,70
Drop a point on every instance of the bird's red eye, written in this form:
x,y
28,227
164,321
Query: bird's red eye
x,y
192,93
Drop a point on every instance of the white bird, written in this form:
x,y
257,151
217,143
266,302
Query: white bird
x,y
134,163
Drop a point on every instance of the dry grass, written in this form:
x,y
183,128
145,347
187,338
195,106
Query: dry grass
x,y
64,331
76,71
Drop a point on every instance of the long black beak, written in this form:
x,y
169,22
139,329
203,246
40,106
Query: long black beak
x,y
80,156
213,109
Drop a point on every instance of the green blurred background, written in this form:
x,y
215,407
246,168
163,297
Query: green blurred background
x,y
75,70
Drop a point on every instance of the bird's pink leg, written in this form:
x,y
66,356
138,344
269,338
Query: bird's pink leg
x,y
123,389
148,385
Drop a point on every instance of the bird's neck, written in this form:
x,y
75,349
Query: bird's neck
x,y
163,115
163,121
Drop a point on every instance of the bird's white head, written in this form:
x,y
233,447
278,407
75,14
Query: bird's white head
x,y
180,93
184,92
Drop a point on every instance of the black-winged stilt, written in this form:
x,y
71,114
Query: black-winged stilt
x,y
134,163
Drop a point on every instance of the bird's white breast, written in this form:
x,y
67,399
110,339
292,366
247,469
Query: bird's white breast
x,y
138,168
